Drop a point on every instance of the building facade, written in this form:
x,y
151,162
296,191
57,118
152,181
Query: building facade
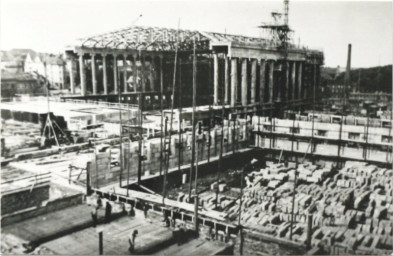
x,y
48,65
20,83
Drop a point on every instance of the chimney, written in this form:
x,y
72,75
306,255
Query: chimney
x,y
347,80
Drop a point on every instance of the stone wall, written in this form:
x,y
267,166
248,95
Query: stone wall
x,y
50,206
24,199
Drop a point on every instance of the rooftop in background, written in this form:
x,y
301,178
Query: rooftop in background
x,y
47,58
9,76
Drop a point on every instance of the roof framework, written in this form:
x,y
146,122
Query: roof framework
x,y
163,39
148,39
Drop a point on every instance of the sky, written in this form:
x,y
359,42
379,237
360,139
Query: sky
x,y
50,25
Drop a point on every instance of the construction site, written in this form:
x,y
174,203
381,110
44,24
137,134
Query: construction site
x,y
185,142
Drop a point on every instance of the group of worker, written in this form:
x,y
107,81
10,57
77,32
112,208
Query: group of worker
x,y
108,216
94,212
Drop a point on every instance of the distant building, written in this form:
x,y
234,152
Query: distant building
x,y
48,65
13,84
10,62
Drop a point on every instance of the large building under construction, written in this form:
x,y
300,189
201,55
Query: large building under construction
x,y
242,72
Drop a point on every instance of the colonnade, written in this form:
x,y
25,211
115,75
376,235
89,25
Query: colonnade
x,y
258,81
243,81
123,65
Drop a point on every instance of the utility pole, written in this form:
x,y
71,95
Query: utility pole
x,y
240,212
140,129
221,144
193,119
121,141
162,114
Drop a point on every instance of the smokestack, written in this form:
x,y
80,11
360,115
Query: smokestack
x,y
347,80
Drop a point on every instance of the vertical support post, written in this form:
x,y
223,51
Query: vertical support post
x,y
93,73
226,96
309,231
240,212
216,78
299,81
293,204
115,72
293,80
244,82
271,82
72,78
262,81
100,243
287,69
161,108
134,72
82,75
125,65
253,80
307,79
196,202
193,123
180,119
143,73
234,82
104,72
88,180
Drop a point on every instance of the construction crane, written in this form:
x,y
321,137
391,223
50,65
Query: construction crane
x,y
278,29
49,130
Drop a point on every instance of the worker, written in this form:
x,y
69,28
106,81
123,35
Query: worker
x,y
145,209
132,211
131,241
94,215
176,234
166,221
108,212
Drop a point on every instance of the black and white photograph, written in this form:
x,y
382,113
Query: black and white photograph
x,y
196,127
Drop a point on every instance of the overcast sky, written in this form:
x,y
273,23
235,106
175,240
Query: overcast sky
x,y
49,25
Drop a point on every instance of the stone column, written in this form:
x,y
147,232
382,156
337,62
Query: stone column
x,y
299,80
125,72
287,69
234,82
271,82
134,72
226,80
253,80
82,75
262,81
93,73
244,83
72,78
104,72
115,73
215,58
293,80
161,79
